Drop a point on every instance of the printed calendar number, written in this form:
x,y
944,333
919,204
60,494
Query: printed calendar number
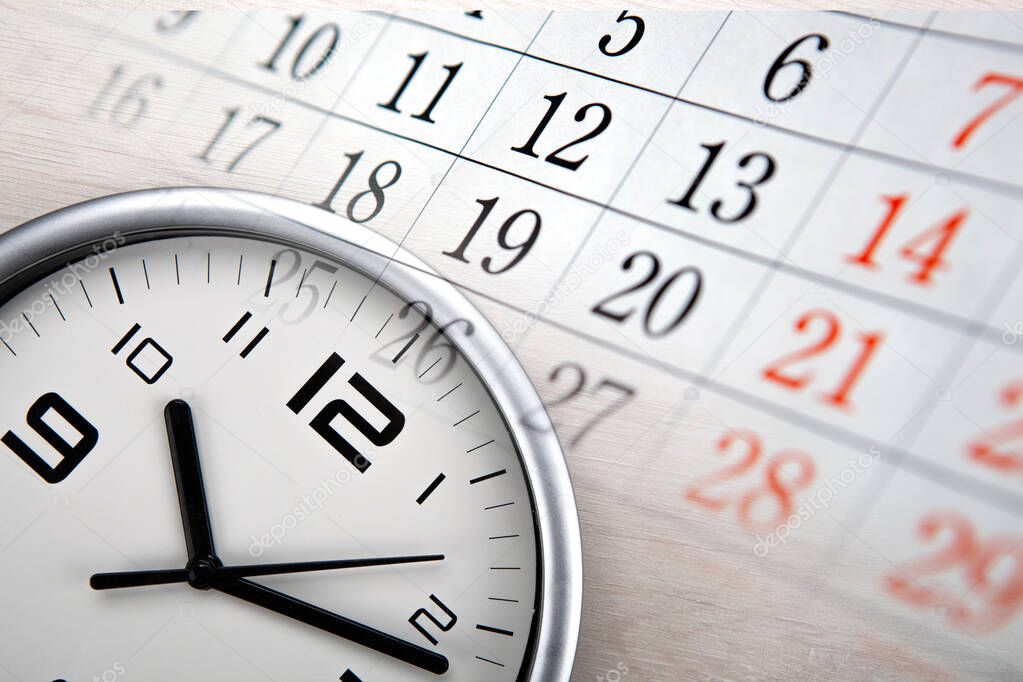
x,y
1013,88
417,61
520,247
784,63
309,55
255,130
830,337
976,583
176,21
638,29
602,115
367,204
995,448
614,394
765,505
669,300
436,355
927,248
753,160
132,97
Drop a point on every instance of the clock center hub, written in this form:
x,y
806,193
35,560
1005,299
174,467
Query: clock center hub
x,y
201,573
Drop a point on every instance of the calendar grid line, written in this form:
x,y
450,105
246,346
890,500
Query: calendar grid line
x,y
811,209
937,32
1002,187
928,313
340,96
763,270
459,155
639,155
955,361
920,465
814,204
823,428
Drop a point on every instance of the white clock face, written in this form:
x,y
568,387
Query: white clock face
x,y
333,422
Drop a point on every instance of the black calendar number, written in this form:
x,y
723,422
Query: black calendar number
x,y
614,393
554,103
367,204
783,63
417,61
678,293
132,98
436,354
256,129
753,161
638,29
510,236
309,56
176,21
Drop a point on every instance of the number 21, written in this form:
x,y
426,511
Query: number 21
x,y
779,372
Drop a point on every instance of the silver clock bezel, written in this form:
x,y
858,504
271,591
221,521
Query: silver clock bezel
x,y
150,214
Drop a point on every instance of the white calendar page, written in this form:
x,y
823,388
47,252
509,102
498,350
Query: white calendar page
x,y
763,267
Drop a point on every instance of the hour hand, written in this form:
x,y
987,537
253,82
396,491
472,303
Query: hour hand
x,y
195,514
335,624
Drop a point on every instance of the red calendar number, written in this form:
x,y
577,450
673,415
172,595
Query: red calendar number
x,y
926,249
767,505
780,371
994,447
1015,85
988,591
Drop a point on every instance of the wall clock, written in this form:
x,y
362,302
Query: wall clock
x,y
260,441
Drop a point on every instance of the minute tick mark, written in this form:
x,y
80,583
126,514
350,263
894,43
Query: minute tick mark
x,y
487,477
117,286
450,392
487,660
406,347
389,317
497,631
464,419
481,445
434,364
270,279
59,311
86,292
30,325
357,309
334,286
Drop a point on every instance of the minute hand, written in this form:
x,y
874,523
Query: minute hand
x,y
119,579
335,624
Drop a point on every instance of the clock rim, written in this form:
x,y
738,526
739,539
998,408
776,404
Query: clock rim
x,y
71,233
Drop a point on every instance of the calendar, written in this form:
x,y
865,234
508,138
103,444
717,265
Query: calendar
x,y
764,269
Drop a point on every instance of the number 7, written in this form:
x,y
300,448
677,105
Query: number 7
x,y
1015,88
